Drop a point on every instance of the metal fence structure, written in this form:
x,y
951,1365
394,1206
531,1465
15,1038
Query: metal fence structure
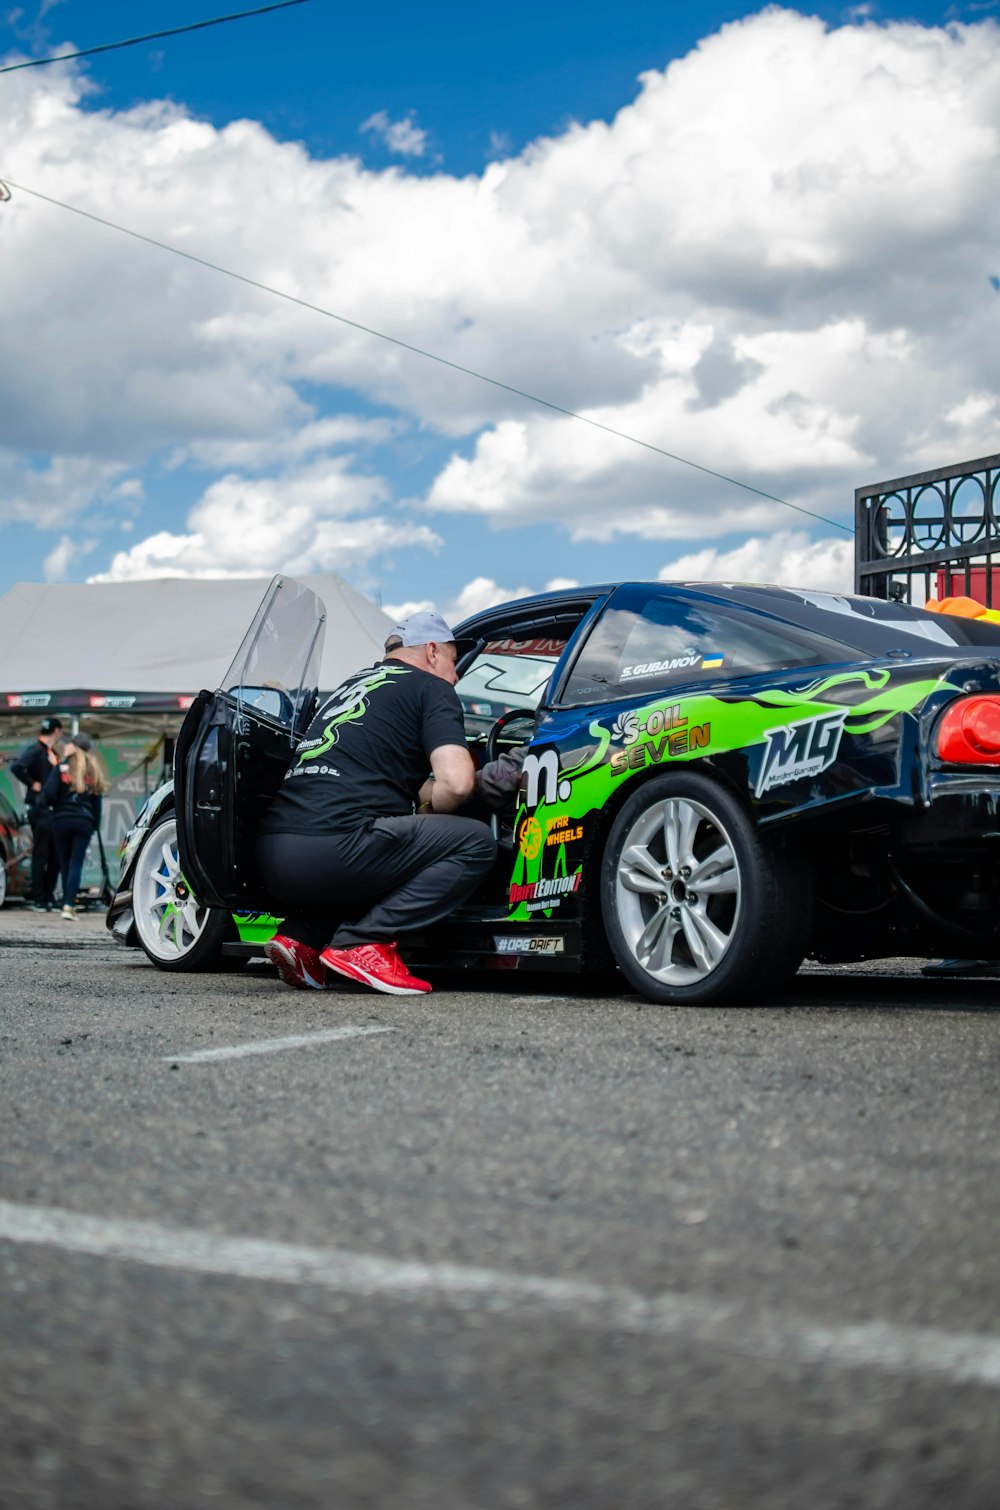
x,y
930,535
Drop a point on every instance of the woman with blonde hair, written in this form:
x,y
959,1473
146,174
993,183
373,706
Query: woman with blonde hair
x,y
75,788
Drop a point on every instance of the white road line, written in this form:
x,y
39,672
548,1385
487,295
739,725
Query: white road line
x,y
274,1045
958,1357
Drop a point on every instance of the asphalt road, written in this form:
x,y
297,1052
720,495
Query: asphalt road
x,y
515,1248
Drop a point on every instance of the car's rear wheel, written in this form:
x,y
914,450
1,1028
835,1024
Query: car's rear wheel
x,y
174,929
3,875
699,907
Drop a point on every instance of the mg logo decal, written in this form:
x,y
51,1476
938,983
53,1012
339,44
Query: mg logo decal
x,y
801,749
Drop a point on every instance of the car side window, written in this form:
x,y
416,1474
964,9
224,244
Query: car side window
x,y
647,639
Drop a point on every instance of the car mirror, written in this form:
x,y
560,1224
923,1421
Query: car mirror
x,y
270,701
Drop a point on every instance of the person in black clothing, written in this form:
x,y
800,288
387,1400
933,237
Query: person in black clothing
x,y
32,767
74,788
359,835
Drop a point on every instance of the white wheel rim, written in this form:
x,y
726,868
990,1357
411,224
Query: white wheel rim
x,y
678,891
3,879
168,919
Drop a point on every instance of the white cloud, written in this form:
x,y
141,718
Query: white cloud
x,y
130,491
294,444
500,144
774,261
400,611
484,592
404,137
61,557
57,562
314,519
474,597
480,593
56,491
787,559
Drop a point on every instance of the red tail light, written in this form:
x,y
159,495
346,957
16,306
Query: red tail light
x,y
969,733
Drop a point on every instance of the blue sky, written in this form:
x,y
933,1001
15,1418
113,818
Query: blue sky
x,y
710,260
468,73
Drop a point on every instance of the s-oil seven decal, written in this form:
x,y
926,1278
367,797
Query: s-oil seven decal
x,y
558,800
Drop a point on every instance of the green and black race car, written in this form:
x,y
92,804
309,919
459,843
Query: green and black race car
x,y
721,780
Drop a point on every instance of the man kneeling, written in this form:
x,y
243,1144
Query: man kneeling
x,y
358,830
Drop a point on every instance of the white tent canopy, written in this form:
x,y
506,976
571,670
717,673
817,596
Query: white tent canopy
x,y
170,636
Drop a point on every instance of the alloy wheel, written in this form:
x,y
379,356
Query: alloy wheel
x,y
678,891
168,918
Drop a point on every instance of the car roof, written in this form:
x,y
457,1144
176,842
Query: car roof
x,y
747,593
853,619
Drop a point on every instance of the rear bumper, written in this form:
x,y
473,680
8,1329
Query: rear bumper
x,y
961,812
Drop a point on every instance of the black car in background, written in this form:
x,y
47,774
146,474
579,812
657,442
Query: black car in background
x,y
15,851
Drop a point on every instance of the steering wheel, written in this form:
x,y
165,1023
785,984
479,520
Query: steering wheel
x,y
498,726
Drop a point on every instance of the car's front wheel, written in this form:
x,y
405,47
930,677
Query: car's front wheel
x,y
699,907
174,929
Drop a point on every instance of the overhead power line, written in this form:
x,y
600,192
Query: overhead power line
x,y
152,36
419,351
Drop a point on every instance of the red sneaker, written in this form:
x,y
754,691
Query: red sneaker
x,y
375,965
297,964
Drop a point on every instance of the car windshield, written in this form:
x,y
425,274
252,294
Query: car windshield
x,y
506,674
276,670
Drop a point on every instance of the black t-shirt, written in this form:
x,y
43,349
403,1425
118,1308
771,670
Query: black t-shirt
x,y
32,763
367,752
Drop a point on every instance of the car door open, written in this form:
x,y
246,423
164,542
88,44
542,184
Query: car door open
x,y
236,743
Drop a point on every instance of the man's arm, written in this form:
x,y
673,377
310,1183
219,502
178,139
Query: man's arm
x,y
453,781
21,770
497,783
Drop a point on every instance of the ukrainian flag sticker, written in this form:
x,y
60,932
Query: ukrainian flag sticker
x,y
711,662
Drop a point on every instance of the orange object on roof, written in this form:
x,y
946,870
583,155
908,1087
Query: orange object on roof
x,y
966,608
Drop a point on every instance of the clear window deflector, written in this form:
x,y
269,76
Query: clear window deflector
x,y
276,669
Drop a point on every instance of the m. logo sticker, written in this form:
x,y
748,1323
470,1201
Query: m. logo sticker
x,y
540,775
801,749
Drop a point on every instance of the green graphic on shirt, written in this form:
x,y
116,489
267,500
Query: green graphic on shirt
x,y
351,703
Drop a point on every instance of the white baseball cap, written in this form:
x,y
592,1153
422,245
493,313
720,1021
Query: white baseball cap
x,y
421,628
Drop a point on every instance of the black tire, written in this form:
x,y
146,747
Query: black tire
x,y
729,920
173,929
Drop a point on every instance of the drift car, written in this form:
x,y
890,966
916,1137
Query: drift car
x,y
720,781
15,852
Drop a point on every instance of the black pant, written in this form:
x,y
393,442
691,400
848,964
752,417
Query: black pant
x,y
44,860
392,877
72,835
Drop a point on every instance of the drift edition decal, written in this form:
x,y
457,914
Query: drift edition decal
x,y
557,800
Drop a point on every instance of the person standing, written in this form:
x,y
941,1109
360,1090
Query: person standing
x,y
75,789
32,767
359,838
